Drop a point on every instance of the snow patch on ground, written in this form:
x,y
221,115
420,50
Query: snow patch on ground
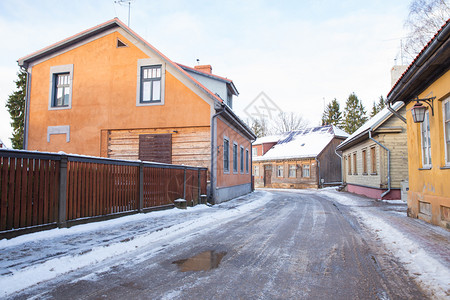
x,y
426,270
211,217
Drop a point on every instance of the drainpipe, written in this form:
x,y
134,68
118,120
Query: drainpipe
x,y
395,113
27,106
388,163
213,152
342,169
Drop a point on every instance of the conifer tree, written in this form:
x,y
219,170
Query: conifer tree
x,y
377,107
16,108
354,114
332,114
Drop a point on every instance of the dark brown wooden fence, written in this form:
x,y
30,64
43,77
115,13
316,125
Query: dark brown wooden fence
x,y
39,190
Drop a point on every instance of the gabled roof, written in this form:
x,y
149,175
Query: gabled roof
x,y
306,143
429,64
212,76
91,32
371,125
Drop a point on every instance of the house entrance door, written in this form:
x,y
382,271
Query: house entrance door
x,y
267,175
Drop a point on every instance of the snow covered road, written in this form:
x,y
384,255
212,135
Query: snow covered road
x,y
270,244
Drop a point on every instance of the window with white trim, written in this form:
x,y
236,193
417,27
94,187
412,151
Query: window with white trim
x,y
254,151
446,119
292,171
426,141
150,84
280,171
256,170
305,171
60,91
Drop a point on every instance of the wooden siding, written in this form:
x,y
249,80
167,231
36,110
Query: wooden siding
x,y
330,163
155,147
395,142
190,146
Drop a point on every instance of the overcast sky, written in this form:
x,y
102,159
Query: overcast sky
x,y
299,53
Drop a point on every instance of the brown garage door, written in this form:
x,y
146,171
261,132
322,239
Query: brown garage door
x,y
155,147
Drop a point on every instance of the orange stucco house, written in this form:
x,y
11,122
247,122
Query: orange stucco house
x,y
107,92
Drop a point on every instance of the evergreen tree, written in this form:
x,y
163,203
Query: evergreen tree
x,y
332,114
377,107
354,114
259,127
16,108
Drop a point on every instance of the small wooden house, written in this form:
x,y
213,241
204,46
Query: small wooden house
x,y
108,92
299,159
375,157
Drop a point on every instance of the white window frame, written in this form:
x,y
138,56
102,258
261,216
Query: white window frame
x,y
254,151
426,141
308,169
255,170
226,155
280,171
446,131
149,62
54,72
294,169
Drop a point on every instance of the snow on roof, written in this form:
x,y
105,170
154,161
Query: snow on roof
x,y
268,139
308,142
373,122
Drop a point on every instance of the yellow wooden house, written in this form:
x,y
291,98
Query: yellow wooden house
x,y
425,89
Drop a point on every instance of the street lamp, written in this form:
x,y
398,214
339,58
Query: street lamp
x,y
418,110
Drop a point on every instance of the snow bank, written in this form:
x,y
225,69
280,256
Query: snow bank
x,y
426,271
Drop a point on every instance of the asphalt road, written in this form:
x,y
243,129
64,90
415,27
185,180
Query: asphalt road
x,y
298,246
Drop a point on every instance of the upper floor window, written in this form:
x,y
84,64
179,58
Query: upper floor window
x,y
426,142
150,84
150,88
446,118
254,151
60,92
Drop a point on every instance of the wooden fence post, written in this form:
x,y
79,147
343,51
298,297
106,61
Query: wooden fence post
x,y
62,217
141,187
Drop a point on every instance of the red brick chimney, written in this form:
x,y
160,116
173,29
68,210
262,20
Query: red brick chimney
x,y
204,68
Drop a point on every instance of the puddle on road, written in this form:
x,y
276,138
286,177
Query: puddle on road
x,y
201,262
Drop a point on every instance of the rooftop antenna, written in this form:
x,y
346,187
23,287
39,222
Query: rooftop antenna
x,y
198,61
124,2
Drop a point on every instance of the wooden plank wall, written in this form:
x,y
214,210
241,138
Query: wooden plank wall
x,y
190,146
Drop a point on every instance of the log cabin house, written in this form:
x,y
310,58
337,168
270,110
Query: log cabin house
x,y
107,92
298,159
